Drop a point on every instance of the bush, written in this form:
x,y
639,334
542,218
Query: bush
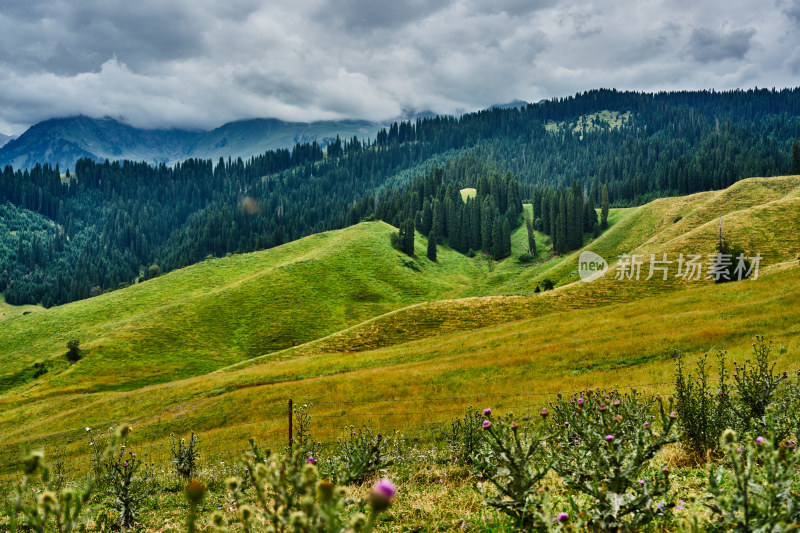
x,y
464,436
185,456
73,354
756,385
605,442
514,461
361,454
290,496
762,471
547,284
704,412
525,258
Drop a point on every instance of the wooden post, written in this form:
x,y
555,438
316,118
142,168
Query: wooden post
x,y
290,426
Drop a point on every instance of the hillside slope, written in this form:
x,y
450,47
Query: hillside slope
x,y
215,313
370,325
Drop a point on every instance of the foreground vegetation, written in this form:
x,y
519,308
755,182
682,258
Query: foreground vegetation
x,y
598,460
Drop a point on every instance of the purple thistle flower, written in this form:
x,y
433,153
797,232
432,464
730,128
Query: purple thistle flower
x,y
384,487
580,401
486,424
566,424
487,411
563,517
641,482
311,460
609,438
760,440
647,424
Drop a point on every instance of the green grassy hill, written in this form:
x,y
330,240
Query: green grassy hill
x,y
341,318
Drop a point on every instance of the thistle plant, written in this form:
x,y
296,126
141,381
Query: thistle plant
x,y
704,411
361,454
302,441
762,471
123,484
185,456
756,384
514,461
464,435
603,451
291,496
50,510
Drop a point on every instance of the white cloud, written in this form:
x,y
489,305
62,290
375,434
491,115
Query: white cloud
x,y
183,63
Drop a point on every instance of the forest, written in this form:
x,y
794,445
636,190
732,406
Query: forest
x,y
69,234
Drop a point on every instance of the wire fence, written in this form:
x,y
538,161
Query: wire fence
x,y
222,441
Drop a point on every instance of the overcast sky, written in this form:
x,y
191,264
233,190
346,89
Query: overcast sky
x,y
201,63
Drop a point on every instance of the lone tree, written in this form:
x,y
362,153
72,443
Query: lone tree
x,y
604,209
432,246
73,351
154,271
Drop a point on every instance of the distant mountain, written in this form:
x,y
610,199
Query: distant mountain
x,y
510,105
4,139
66,140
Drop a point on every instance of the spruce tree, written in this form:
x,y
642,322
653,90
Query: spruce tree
x,y
506,237
604,209
531,237
432,246
408,237
497,238
795,158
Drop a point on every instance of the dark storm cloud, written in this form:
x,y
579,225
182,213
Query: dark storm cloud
x,y
708,45
199,63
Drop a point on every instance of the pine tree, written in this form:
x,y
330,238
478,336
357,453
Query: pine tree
x,y
486,228
426,221
531,237
604,209
506,237
432,246
408,237
795,158
497,238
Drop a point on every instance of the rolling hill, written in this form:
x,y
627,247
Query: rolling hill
x,y
66,140
343,320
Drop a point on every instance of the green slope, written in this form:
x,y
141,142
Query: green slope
x,y
343,316
221,311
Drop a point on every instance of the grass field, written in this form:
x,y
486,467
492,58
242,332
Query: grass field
x,y
343,318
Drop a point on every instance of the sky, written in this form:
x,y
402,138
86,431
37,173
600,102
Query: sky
x,y
200,63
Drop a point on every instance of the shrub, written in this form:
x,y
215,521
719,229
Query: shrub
x,y
514,461
361,454
604,446
185,456
547,284
525,258
704,412
302,441
49,509
123,484
464,436
756,385
73,354
762,471
290,496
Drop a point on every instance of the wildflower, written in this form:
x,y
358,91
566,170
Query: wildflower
x,y
383,492
563,517
487,411
641,482
311,460
544,412
566,424
194,491
760,440
580,401
486,424
673,415
609,438
647,424
88,429
603,407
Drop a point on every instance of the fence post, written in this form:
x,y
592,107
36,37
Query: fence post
x,y
290,427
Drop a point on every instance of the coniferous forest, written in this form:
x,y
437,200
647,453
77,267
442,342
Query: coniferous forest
x,y
68,234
